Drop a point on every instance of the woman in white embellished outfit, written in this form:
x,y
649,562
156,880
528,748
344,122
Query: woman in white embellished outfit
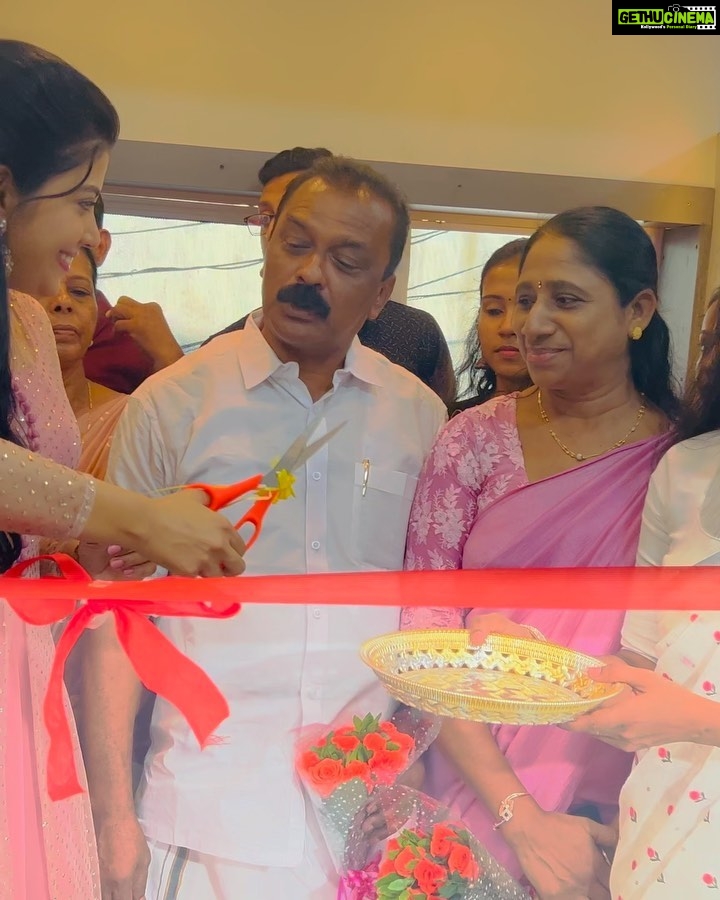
x,y
56,132
670,806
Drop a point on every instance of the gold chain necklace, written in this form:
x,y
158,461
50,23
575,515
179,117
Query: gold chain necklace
x,y
583,456
90,404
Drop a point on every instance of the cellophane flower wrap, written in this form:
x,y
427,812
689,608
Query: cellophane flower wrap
x,y
342,766
421,852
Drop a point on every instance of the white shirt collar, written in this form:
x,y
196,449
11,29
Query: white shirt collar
x,y
258,360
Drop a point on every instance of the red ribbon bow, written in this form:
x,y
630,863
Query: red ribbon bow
x,y
360,884
161,667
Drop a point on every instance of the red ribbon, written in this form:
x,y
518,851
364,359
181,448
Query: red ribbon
x,y
158,663
693,588
164,670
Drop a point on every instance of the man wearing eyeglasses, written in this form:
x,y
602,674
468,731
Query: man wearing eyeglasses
x,y
275,175
409,337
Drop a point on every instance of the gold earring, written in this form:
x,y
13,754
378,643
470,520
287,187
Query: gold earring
x,y
636,333
539,285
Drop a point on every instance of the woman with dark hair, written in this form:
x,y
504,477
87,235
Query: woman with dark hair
x,y
56,133
73,316
553,476
669,821
492,356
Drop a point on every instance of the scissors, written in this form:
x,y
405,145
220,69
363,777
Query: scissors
x,y
273,485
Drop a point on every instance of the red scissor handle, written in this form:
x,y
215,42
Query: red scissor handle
x,y
254,516
222,495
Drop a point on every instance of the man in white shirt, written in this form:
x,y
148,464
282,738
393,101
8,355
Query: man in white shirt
x,y
230,821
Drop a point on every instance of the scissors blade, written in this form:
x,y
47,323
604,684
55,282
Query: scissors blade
x,y
300,451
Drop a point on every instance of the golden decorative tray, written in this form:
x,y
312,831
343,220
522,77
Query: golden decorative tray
x,y
508,680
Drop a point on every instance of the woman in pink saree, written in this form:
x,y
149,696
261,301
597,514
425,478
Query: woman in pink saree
x,y
553,476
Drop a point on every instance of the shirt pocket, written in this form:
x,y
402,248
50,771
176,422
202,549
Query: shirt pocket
x,y
381,509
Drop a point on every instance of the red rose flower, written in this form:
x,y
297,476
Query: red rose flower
x,y
652,855
670,809
710,880
708,687
462,861
374,741
384,766
325,776
429,876
632,814
387,866
664,754
392,846
696,796
716,637
308,758
404,740
345,742
442,840
356,769
633,865
405,862
693,617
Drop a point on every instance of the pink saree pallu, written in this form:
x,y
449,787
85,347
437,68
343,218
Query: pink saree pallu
x,y
587,517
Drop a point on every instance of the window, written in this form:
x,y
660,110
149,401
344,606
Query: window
x,y
204,275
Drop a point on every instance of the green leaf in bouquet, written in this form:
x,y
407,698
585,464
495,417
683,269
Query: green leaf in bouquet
x,y
385,882
400,884
391,745
452,888
369,721
413,839
385,889
464,837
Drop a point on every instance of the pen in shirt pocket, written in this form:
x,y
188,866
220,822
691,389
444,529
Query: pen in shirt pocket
x,y
366,475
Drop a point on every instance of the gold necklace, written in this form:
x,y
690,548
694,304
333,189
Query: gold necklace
x,y
90,404
583,456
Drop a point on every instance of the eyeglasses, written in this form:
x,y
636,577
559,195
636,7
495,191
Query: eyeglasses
x,y
258,222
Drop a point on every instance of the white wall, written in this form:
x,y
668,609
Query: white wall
x,y
530,86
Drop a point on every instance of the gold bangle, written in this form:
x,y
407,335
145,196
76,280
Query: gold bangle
x,y
506,808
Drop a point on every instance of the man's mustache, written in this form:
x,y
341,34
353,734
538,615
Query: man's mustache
x,y
305,297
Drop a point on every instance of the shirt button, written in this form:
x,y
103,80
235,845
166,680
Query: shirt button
x,y
316,614
316,476
315,545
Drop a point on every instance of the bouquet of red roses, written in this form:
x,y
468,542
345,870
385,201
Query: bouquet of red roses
x,y
342,766
371,750
433,864
429,855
